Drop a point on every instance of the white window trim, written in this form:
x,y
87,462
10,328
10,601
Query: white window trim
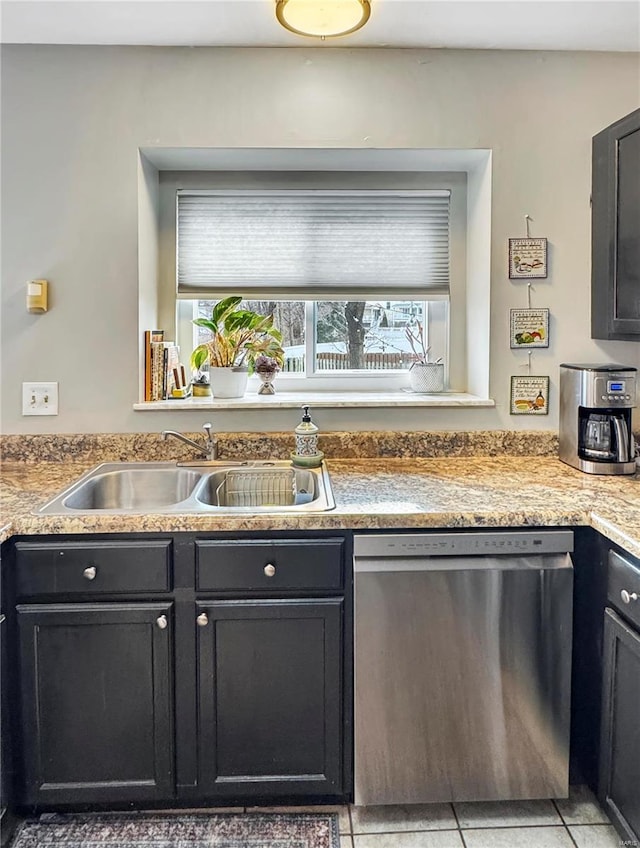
x,y
227,163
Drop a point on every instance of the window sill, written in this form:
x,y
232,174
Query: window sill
x,y
336,400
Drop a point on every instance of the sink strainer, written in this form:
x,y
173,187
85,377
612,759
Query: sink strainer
x,y
257,487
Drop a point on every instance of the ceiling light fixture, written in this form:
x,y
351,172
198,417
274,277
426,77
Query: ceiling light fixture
x,y
323,18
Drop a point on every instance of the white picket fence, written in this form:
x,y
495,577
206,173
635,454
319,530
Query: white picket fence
x,y
334,361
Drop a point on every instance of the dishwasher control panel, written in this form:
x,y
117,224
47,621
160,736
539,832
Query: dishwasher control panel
x,y
523,543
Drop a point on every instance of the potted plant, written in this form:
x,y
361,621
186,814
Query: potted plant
x,y
266,367
424,376
238,337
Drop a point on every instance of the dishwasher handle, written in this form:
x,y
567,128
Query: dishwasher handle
x,y
517,543
398,565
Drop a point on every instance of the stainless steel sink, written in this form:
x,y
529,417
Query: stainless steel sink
x,y
263,487
164,487
134,489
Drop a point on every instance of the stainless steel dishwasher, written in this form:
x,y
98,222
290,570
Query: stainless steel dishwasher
x,y
462,666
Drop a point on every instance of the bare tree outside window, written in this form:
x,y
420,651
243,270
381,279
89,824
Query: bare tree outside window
x,y
356,333
364,335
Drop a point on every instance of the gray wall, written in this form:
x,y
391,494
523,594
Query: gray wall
x,y
73,119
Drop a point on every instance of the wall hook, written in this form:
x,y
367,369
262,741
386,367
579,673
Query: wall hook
x,y
527,218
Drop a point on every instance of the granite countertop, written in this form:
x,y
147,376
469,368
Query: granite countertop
x,y
477,491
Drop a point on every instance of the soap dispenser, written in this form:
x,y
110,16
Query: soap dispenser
x,y
306,453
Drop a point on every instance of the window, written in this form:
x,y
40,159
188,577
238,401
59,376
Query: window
x,y
344,272
342,338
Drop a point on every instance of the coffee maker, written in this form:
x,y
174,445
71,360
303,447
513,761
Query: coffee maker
x,y
595,418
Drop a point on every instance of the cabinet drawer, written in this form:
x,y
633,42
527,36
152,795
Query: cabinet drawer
x,y
623,583
43,568
266,566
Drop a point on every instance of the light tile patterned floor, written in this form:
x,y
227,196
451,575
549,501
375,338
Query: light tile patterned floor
x,y
576,822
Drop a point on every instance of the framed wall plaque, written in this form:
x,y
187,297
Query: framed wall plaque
x,y
529,328
529,396
527,258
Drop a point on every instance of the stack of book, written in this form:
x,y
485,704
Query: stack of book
x,y
160,358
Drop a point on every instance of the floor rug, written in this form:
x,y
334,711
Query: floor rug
x,y
241,830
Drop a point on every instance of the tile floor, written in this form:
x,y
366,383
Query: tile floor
x,y
577,822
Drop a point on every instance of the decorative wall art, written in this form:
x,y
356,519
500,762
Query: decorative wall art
x,y
529,395
527,258
529,328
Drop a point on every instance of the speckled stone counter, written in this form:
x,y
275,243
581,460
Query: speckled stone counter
x,y
452,491
115,447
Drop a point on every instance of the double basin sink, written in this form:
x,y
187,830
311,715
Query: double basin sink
x,y
260,486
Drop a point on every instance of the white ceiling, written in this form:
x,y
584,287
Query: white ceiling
x,y
483,24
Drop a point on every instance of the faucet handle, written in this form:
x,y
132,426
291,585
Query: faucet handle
x,y
212,442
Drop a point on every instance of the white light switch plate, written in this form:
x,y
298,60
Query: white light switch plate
x,y
39,398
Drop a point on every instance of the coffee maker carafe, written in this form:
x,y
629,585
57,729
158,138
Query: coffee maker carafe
x,y
595,418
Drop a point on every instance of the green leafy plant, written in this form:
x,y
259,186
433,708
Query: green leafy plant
x,y
238,337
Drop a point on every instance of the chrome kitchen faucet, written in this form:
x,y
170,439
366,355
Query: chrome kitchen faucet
x,y
210,448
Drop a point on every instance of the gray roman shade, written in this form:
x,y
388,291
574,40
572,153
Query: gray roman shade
x,y
312,245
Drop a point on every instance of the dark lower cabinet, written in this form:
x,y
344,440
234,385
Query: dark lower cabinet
x,y
5,755
180,671
270,697
6,768
97,703
620,739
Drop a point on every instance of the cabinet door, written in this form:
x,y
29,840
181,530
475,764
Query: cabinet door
x,y
270,697
97,715
615,238
6,770
5,775
620,739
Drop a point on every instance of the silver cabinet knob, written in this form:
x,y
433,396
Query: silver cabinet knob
x,y
202,619
627,597
90,572
162,622
269,569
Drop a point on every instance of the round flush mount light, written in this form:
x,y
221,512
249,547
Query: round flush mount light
x,y
323,18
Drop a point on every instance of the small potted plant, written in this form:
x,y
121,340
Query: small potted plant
x,y
239,336
424,376
266,367
200,385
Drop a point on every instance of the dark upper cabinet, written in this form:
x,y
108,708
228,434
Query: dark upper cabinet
x,y
620,741
615,231
97,703
270,697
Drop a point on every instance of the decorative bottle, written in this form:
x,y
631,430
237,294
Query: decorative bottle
x,y
306,434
